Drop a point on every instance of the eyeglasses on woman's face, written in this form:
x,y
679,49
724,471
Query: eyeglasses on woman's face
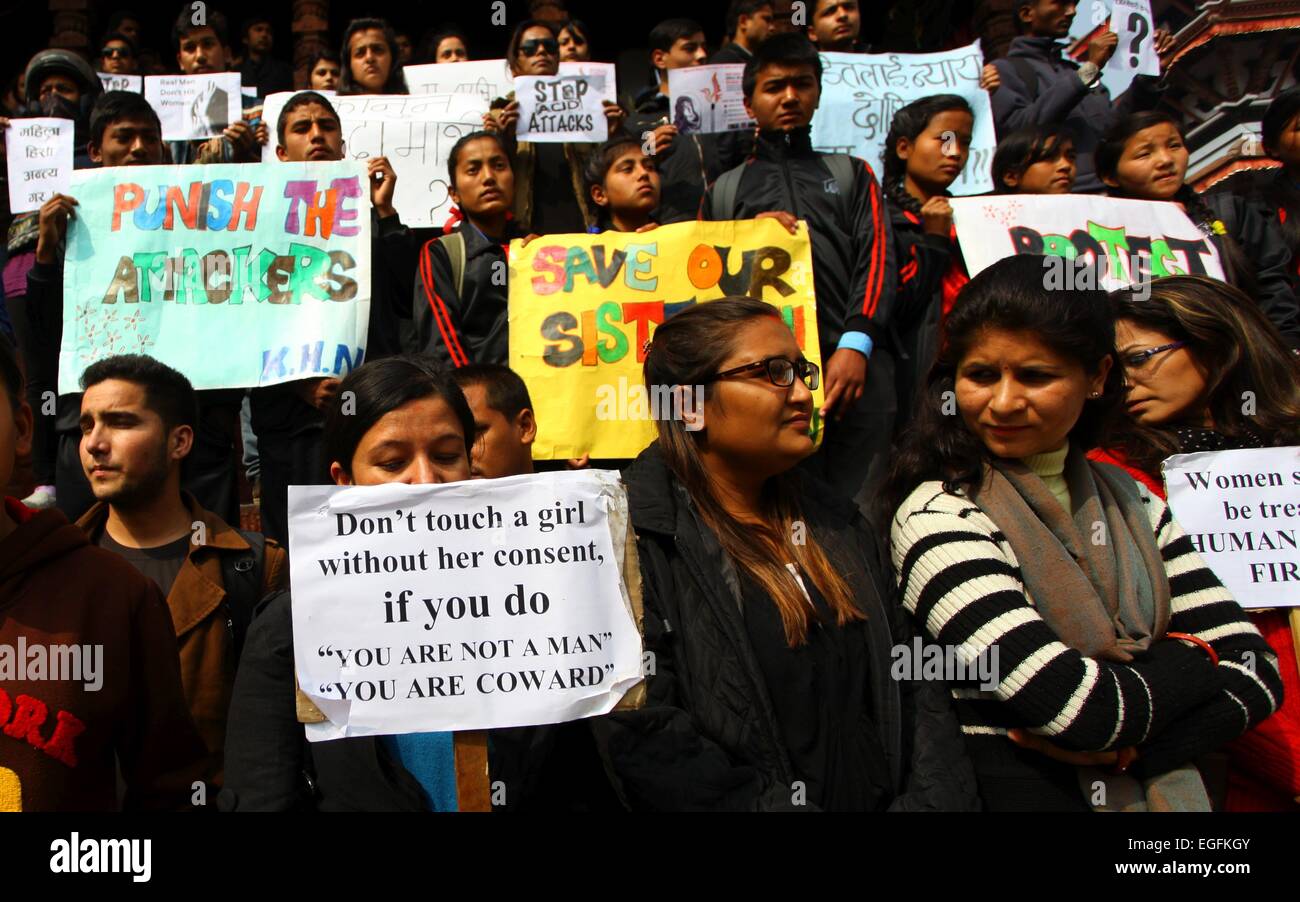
x,y
531,46
1138,359
780,372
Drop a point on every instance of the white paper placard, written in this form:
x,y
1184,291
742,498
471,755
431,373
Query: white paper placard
x,y
192,107
708,99
121,82
1241,509
488,79
561,109
39,154
465,606
602,75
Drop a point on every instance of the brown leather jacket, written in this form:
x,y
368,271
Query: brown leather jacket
x,y
198,607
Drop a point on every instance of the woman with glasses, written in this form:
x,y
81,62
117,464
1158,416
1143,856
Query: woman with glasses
x,y
1205,371
767,620
550,191
1119,658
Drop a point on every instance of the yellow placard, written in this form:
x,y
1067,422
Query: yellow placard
x,y
583,306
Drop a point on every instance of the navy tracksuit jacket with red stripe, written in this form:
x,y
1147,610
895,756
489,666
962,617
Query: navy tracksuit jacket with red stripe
x,y
854,273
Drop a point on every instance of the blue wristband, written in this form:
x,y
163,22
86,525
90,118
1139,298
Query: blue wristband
x,y
856,341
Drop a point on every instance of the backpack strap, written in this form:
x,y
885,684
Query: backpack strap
x,y
841,167
725,191
1028,76
242,575
454,245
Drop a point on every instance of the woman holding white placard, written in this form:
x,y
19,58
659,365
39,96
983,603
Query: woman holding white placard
x,y
1205,371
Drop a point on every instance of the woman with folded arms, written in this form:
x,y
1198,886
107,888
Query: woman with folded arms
x,y
767,618
1120,657
1205,371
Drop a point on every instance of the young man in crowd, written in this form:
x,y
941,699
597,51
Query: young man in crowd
x,y
687,163
259,69
749,22
1040,85
853,255
204,50
289,418
504,425
117,55
835,26
623,183
65,736
137,429
124,131
459,309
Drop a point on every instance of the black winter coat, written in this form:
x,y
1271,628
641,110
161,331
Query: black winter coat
x,y
708,737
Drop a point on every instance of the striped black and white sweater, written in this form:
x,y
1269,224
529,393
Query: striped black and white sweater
x,y
961,580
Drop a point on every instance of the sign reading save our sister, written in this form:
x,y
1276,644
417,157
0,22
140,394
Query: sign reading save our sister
x,y
238,276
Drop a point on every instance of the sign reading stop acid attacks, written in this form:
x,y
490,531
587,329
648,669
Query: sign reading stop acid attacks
x,y
237,276
463,606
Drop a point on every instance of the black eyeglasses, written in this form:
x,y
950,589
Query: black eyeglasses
x,y
780,371
115,52
1136,360
531,46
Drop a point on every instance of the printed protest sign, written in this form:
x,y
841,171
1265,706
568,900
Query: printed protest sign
x,y
583,306
1241,510
194,106
416,133
861,92
488,79
39,154
1126,236
560,108
1132,22
235,275
602,76
708,99
464,606
121,82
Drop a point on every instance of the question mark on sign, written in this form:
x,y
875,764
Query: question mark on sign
x,y
1137,24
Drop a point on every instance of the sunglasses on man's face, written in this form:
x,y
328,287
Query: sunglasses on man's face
x,y
530,47
115,52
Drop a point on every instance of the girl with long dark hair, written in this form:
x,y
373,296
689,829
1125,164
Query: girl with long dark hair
x,y
1115,646
1205,371
1144,156
1037,160
371,60
766,615
926,149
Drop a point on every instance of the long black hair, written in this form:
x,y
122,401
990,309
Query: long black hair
x,y
908,123
378,388
1011,295
1238,269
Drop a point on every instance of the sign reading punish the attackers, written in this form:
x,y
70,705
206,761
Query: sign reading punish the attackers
x,y
465,606
237,276
1241,510
583,306
1132,241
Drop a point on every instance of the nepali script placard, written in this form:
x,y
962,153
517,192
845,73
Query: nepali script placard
x,y
1128,237
415,132
466,606
861,92
487,79
583,306
237,276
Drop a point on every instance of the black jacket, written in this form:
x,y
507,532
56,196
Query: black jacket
x,y
1258,231
853,255
923,261
707,737
1059,97
687,167
470,326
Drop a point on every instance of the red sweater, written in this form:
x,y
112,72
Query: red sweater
x,y
60,731
1265,772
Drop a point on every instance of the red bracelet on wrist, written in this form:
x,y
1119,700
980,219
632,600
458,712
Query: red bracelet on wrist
x,y
1199,643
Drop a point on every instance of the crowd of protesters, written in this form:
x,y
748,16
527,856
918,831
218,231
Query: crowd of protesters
x,y
976,429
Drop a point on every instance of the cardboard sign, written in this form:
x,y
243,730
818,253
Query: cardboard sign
x,y
560,109
39,155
